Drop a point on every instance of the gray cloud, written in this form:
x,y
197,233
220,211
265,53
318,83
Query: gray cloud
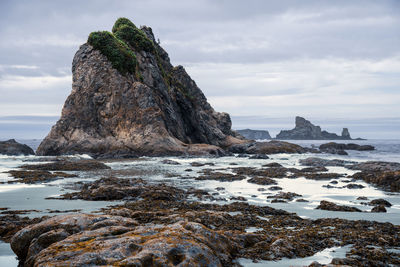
x,y
278,58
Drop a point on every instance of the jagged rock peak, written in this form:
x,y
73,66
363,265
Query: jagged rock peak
x,y
128,100
305,130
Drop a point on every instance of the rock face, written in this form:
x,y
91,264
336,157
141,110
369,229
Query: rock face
x,y
254,134
152,108
13,148
305,130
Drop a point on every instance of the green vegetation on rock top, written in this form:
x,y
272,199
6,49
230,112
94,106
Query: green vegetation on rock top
x,y
120,45
118,53
135,38
121,22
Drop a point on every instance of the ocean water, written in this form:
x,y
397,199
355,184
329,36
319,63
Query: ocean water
x,y
32,197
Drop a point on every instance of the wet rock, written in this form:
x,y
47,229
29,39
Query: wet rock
x,y
68,165
333,182
379,208
302,200
220,176
326,205
13,148
285,195
259,156
388,180
220,188
354,186
380,201
170,162
272,165
262,181
38,176
322,176
275,188
375,166
238,198
314,169
313,161
123,188
278,200
201,164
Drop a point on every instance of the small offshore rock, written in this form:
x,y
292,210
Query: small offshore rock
x,y
379,208
326,205
13,148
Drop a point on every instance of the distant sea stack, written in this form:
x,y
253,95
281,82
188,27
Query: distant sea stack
x,y
128,100
254,134
305,130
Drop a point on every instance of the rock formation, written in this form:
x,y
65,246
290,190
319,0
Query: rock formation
x,y
305,130
13,148
128,100
254,134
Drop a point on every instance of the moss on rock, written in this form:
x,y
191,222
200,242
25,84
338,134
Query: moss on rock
x,y
122,22
135,38
118,53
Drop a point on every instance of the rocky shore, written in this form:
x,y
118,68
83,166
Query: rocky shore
x,y
162,227
160,224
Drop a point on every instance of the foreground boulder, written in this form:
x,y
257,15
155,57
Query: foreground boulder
x,y
13,148
128,100
82,240
305,130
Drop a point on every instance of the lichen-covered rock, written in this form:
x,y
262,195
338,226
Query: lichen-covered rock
x,y
154,110
13,148
32,239
81,240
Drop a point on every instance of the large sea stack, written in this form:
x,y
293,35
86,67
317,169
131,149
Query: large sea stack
x,y
128,100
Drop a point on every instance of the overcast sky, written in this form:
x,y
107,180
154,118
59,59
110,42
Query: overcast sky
x,y
318,59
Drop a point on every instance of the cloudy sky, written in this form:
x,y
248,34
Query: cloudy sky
x,y
325,60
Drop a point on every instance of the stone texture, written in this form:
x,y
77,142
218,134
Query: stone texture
x,y
305,130
87,240
109,114
13,148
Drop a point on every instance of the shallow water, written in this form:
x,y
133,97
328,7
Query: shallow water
x,y
7,256
32,197
323,257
